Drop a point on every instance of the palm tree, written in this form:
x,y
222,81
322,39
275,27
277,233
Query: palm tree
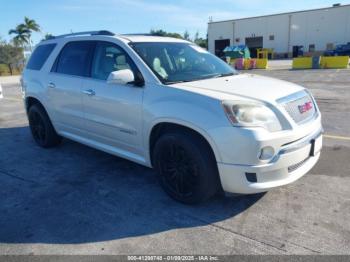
x,y
24,32
32,26
22,35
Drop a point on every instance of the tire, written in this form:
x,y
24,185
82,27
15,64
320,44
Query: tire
x,y
41,127
186,167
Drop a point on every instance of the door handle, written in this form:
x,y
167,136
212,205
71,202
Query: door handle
x,y
89,92
51,85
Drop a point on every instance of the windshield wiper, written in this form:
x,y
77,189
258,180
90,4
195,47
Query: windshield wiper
x,y
223,75
199,79
176,82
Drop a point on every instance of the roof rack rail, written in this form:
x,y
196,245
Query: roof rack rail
x,y
136,34
101,32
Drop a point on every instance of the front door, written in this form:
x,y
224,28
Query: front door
x,y
113,112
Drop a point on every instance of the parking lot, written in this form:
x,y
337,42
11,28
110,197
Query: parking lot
x,y
77,200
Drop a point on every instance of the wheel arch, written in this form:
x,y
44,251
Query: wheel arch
x,y
164,126
31,100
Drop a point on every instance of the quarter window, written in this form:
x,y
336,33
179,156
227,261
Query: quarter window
x,y
108,58
75,58
39,56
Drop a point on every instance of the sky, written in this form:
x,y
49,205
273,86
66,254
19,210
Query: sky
x,y
139,16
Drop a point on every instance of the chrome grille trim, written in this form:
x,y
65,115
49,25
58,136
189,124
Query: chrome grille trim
x,y
291,103
295,145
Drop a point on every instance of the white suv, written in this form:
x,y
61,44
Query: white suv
x,y
167,103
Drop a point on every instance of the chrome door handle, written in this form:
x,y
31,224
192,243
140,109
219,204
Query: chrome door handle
x,y
89,92
51,85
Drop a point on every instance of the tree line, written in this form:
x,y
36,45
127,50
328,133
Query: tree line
x,y
11,53
202,42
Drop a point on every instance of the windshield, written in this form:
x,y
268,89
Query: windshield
x,y
181,62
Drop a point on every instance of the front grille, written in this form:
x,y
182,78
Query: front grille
x,y
297,165
294,105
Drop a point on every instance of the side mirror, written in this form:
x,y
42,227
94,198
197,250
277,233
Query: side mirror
x,y
121,77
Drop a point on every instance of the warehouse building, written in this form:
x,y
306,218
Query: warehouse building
x,y
312,31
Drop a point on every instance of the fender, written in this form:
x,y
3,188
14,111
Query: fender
x,y
181,122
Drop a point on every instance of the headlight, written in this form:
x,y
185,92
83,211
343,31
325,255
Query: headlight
x,y
249,114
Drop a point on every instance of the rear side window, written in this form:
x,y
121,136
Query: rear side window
x,y
39,56
75,59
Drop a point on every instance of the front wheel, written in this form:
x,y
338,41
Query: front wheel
x,y
186,167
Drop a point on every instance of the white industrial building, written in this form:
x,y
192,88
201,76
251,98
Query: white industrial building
x,y
313,30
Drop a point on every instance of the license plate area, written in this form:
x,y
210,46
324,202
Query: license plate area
x,y
316,145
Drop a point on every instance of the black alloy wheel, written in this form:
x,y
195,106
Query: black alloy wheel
x,y
186,167
41,127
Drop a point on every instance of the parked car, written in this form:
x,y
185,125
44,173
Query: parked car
x,y
168,104
340,50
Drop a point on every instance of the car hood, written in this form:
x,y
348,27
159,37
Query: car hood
x,y
243,85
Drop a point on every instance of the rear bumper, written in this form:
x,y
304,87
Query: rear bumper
x,y
292,162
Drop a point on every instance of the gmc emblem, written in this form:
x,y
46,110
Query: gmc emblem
x,y
305,107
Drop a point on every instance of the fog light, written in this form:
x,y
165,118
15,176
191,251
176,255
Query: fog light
x,y
266,153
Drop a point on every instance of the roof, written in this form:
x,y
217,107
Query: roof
x,y
286,13
123,37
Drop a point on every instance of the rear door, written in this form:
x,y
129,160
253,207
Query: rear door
x,y
113,111
65,86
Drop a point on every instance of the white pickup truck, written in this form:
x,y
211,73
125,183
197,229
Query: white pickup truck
x,y
168,104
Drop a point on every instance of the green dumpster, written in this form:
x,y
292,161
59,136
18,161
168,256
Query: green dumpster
x,y
239,51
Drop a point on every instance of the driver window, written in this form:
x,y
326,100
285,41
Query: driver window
x,y
108,58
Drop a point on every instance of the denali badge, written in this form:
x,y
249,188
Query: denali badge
x,y
305,107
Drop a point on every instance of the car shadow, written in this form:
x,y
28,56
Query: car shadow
x,y
75,194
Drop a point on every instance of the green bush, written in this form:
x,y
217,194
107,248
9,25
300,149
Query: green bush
x,y
4,70
10,55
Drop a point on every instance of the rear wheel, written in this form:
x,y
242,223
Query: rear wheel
x,y
186,167
42,130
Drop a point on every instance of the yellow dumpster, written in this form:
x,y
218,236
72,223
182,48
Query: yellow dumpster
x,y
334,62
247,64
265,52
261,63
302,63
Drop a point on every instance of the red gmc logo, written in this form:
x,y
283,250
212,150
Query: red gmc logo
x,y
305,107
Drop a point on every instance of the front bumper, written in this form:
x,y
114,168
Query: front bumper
x,y
292,162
